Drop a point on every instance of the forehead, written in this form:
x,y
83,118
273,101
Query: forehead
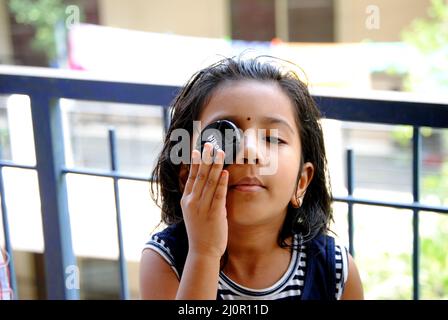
x,y
252,99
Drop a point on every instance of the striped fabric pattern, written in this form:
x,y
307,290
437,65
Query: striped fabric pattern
x,y
341,261
290,285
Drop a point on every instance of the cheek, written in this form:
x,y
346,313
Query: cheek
x,y
288,168
286,178
288,156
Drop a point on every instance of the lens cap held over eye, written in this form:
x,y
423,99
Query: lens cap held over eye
x,y
224,135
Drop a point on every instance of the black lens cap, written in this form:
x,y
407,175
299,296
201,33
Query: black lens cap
x,y
224,135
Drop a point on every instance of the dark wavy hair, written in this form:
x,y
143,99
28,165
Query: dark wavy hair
x,y
315,215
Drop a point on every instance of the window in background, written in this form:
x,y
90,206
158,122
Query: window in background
x,y
253,20
311,20
289,20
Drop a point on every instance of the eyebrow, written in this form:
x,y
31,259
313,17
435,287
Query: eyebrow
x,y
265,119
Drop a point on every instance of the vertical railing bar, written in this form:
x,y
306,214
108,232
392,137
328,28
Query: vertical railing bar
x,y
8,246
350,187
416,155
124,291
60,261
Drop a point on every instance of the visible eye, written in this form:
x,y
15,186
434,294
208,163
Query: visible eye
x,y
276,140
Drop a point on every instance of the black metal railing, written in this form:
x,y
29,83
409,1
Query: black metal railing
x,y
45,87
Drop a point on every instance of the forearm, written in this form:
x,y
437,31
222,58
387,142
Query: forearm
x,y
200,278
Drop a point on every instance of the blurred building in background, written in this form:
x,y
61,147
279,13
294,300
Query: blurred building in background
x,y
340,44
332,21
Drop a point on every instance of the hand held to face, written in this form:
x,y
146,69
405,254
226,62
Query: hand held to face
x,y
203,203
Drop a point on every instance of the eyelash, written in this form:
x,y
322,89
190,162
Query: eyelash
x,y
279,141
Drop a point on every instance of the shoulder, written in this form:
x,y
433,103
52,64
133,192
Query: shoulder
x,y
348,281
172,245
172,232
353,289
157,279
162,262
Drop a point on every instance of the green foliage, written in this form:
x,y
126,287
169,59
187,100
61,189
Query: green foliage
x,y
44,15
403,134
433,245
388,276
437,185
4,140
434,262
432,184
430,37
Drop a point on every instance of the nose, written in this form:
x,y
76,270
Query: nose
x,y
251,151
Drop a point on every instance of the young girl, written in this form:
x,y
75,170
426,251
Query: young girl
x,y
234,233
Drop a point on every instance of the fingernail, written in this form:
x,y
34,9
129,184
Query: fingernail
x,y
209,147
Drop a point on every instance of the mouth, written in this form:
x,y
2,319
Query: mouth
x,y
248,184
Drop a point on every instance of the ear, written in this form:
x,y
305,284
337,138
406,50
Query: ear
x,y
305,179
183,176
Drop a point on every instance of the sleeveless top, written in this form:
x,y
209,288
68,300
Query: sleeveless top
x,y
318,269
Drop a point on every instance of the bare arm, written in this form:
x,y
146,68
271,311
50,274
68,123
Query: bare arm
x,y
200,278
159,282
353,287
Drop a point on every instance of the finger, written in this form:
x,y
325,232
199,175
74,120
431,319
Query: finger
x,y
212,180
195,161
219,198
203,171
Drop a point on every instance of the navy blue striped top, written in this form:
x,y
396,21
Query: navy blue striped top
x,y
290,285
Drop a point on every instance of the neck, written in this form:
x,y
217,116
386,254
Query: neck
x,y
252,240
254,257
254,244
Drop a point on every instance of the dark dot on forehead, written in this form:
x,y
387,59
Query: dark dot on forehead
x,y
248,118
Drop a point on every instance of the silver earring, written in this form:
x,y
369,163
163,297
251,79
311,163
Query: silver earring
x,y
300,199
299,203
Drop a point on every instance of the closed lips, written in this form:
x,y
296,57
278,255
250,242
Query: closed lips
x,y
249,182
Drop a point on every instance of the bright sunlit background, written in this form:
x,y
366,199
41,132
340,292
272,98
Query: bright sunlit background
x,y
351,46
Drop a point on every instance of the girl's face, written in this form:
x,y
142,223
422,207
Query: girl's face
x,y
254,105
